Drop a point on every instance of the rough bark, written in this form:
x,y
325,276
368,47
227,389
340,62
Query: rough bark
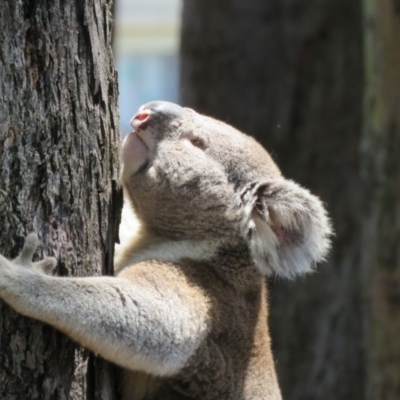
x,y
291,74
381,171
58,172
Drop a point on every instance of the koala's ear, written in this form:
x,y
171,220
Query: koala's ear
x,y
288,228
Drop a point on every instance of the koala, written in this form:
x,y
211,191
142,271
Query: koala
x,y
186,313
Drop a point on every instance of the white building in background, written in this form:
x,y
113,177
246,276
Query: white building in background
x,y
146,50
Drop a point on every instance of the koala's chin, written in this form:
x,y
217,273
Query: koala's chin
x,y
137,147
186,313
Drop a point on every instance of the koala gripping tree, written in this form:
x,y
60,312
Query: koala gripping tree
x,y
58,172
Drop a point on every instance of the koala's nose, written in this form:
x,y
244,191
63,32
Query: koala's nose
x,y
156,112
165,109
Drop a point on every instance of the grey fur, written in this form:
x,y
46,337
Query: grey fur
x,y
186,313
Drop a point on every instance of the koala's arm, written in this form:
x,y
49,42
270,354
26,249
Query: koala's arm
x,y
135,320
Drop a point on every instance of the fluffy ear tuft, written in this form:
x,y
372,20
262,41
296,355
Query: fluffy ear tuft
x,y
288,229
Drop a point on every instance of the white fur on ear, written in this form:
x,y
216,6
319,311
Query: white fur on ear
x,y
288,229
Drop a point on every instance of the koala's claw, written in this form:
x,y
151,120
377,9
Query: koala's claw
x,y
46,265
30,246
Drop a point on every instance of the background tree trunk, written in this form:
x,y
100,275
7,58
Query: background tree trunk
x,y
58,171
381,244
291,74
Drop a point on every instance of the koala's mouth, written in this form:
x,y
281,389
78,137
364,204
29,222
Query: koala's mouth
x,y
141,140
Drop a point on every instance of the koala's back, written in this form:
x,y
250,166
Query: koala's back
x,y
234,361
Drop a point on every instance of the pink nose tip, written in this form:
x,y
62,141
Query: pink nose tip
x,y
140,118
142,115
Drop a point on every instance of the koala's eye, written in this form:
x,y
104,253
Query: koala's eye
x,y
198,142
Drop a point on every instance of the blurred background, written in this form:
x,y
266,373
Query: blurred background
x,y
146,48
318,83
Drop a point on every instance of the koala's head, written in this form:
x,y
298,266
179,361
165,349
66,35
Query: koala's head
x,y
192,177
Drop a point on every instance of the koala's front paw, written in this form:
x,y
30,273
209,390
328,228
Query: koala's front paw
x,y
25,258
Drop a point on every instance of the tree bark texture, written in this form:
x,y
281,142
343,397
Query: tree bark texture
x,y
381,172
291,74
59,177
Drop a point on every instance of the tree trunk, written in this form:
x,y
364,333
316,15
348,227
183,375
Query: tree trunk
x,y
291,74
381,151
59,177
